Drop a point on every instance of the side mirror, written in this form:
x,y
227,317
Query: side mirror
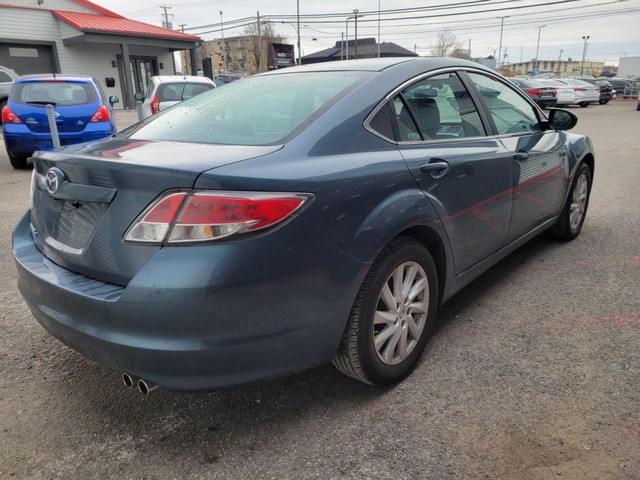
x,y
560,119
139,97
113,99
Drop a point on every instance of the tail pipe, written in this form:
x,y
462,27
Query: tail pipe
x,y
129,381
146,387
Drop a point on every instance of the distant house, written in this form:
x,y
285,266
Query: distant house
x,y
365,48
80,37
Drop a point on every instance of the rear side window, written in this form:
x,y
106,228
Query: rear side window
x,y
176,92
5,77
260,110
58,93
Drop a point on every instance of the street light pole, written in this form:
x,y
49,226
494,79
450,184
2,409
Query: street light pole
x,y
224,48
346,24
584,53
378,28
538,46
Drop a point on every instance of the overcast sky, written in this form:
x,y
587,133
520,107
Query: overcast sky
x,y
612,25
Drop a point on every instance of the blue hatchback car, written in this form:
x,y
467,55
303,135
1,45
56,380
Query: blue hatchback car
x,y
311,214
83,113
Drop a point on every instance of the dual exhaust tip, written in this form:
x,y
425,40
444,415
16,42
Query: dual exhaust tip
x,y
144,386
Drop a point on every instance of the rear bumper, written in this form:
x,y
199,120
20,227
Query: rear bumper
x,y
199,318
546,103
20,140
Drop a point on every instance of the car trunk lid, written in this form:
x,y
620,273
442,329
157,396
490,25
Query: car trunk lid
x,y
85,197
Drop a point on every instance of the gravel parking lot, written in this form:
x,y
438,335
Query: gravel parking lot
x,y
532,374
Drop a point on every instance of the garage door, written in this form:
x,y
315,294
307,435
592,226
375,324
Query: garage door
x,y
25,58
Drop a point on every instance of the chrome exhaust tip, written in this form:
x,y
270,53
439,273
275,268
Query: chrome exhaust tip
x,y
147,388
128,380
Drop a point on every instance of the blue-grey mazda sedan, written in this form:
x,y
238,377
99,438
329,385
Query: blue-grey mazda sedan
x,y
312,214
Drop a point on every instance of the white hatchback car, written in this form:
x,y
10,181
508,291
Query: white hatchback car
x,y
165,91
564,93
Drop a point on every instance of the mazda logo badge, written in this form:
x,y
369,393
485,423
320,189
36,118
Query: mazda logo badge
x,y
53,180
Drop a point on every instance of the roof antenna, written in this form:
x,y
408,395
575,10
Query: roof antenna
x,y
54,74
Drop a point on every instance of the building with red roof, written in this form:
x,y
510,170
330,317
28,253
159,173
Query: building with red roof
x,y
80,37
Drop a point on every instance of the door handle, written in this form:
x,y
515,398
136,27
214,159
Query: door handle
x,y
435,166
521,156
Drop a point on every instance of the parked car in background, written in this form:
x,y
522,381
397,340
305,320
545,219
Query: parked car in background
x,y
82,111
584,93
541,93
624,88
7,76
165,91
606,89
228,78
314,213
564,93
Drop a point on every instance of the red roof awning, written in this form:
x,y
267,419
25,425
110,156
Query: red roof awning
x,y
88,22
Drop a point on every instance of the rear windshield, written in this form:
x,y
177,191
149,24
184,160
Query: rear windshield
x,y
260,110
58,93
176,92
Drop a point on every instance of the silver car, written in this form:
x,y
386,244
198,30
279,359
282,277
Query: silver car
x,y
7,76
585,93
165,91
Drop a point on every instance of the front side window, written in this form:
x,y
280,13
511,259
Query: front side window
x,y
437,108
260,110
511,113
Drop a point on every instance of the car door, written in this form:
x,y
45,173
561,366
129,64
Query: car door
x,y
465,173
538,155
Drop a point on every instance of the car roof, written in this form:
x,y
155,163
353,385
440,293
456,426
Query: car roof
x,y
51,76
181,78
380,64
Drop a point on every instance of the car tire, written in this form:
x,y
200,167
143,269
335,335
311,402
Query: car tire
x,y
638,107
401,319
603,102
574,210
584,104
18,162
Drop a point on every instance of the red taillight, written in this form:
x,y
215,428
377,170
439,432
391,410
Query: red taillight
x,y
9,117
534,92
101,115
205,216
579,89
555,92
155,105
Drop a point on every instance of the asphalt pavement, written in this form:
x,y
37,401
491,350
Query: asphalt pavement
x,y
533,373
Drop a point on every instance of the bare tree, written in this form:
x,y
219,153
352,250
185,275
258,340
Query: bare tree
x,y
257,42
446,44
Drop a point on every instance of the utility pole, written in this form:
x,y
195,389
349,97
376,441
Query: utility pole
x,y
186,65
167,23
560,56
355,12
298,32
260,64
224,47
538,46
500,45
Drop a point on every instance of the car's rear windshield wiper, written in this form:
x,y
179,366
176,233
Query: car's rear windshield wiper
x,y
40,102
